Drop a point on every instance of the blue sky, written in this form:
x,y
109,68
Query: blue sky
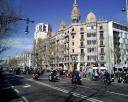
x,y
53,12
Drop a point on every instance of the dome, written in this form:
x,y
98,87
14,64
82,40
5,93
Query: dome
x,y
91,17
75,12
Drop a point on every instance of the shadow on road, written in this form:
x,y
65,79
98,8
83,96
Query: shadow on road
x,y
7,94
99,91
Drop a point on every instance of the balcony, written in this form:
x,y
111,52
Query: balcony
x,y
82,46
66,36
73,33
101,38
66,41
102,45
81,32
82,39
102,53
82,54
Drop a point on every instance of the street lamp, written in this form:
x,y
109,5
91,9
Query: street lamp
x,y
5,20
125,9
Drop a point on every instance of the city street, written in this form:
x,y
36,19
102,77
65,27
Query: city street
x,y
47,48
63,91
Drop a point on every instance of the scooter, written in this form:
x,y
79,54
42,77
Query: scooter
x,y
107,81
35,76
53,77
125,79
76,80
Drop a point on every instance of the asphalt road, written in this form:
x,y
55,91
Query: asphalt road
x,y
63,91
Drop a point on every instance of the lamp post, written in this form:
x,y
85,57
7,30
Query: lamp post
x,y
125,9
5,20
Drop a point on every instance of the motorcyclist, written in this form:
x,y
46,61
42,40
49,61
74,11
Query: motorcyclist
x,y
106,77
76,76
53,76
75,73
36,74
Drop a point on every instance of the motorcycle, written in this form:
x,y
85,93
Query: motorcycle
x,y
107,81
35,76
77,80
53,76
125,79
119,79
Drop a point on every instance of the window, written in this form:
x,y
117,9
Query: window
x,y
101,27
91,58
82,58
40,28
93,49
73,37
88,58
82,43
101,43
101,35
93,42
92,27
102,50
81,32
44,28
88,42
72,43
102,57
88,35
81,29
73,50
72,29
82,36
89,50
82,50
93,34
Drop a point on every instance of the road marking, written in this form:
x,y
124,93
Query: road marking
x,y
120,94
26,86
63,82
25,99
12,87
111,92
20,76
17,91
43,78
67,91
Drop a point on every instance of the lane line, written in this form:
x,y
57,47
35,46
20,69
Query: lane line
x,y
67,91
25,99
26,86
17,91
120,94
111,92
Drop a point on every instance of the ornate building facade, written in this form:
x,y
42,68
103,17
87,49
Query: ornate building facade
x,y
89,43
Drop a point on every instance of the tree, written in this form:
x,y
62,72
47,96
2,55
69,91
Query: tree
x,y
8,18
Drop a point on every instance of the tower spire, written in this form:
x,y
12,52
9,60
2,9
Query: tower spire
x,y
75,1
75,13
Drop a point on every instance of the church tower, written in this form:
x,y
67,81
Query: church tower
x,y
75,13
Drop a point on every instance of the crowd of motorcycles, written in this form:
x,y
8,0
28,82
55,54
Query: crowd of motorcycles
x,y
54,76
76,78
